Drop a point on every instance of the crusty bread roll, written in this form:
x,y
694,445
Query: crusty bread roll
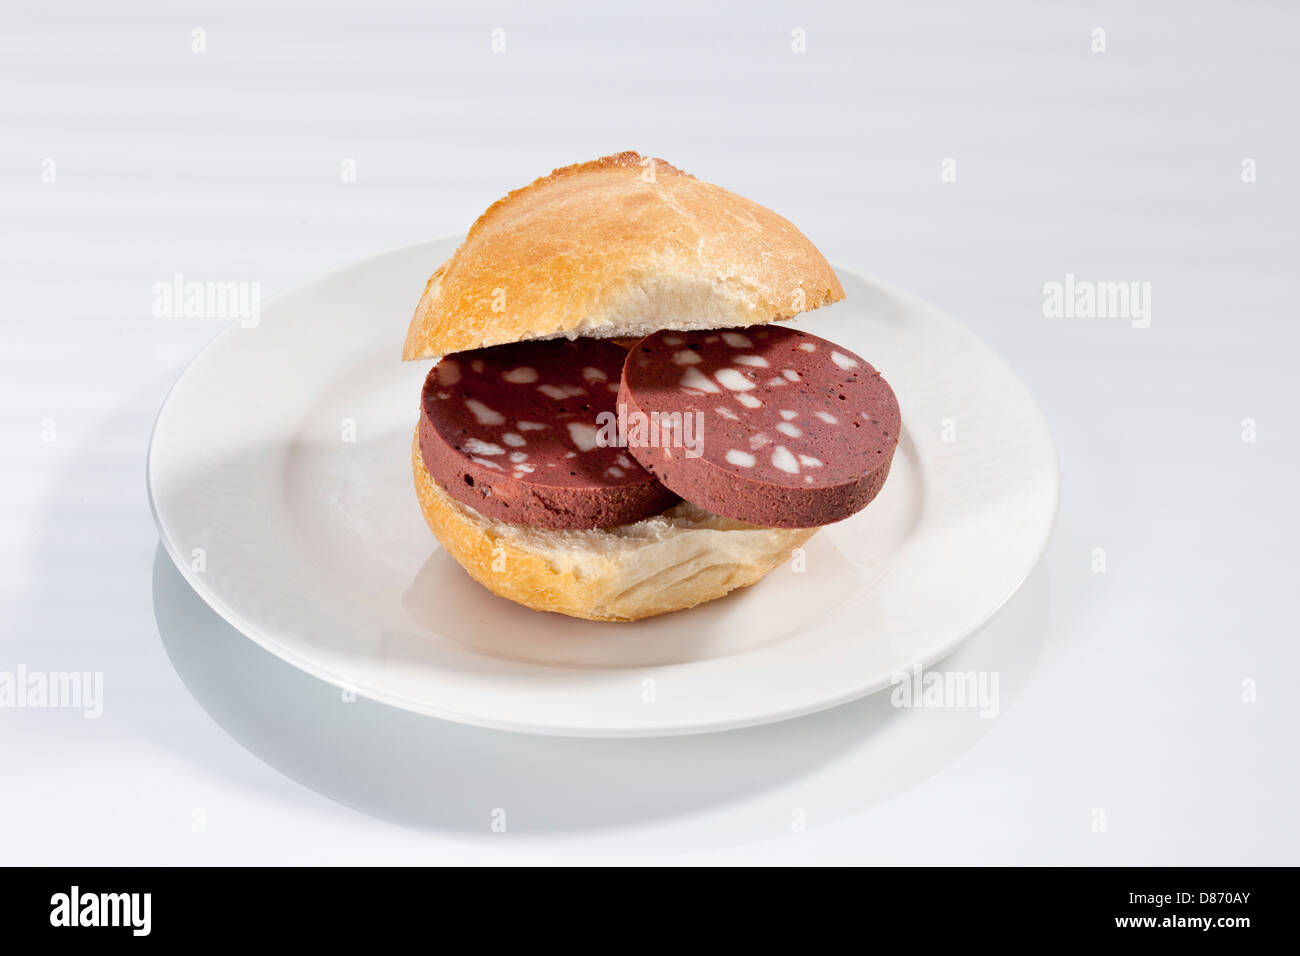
x,y
617,248
675,560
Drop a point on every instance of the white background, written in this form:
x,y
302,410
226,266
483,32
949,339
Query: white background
x,y
1122,165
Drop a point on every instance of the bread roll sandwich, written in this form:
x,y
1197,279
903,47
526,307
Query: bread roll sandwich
x,y
614,427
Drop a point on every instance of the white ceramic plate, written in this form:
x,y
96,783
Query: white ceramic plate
x,y
279,475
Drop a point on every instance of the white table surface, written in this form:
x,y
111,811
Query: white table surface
x,y
1122,691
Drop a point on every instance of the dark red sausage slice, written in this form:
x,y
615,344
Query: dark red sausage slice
x,y
511,431
796,431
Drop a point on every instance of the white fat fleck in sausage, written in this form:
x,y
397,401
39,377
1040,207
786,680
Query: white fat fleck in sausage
x,y
521,376
483,414
737,341
695,379
592,374
477,366
758,440
624,461
562,390
789,415
476,446
843,361
615,472
808,461
530,426
513,440
741,459
559,392
827,417
672,340
612,386
788,428
686,357
444,395
749,401
808,346
518,456
784,460
448,372
583,435
484,461
790,374
756,361
727,414
524,470
734,379
774,382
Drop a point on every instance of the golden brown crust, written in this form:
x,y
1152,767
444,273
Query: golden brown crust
x,y
668,563
618,247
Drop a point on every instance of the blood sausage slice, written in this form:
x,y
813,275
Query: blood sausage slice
x,y
795,431
512,432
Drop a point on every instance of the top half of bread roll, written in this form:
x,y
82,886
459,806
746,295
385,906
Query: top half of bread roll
x,y
617,248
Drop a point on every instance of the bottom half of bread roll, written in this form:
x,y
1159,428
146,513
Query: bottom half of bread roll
x,y
672,561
